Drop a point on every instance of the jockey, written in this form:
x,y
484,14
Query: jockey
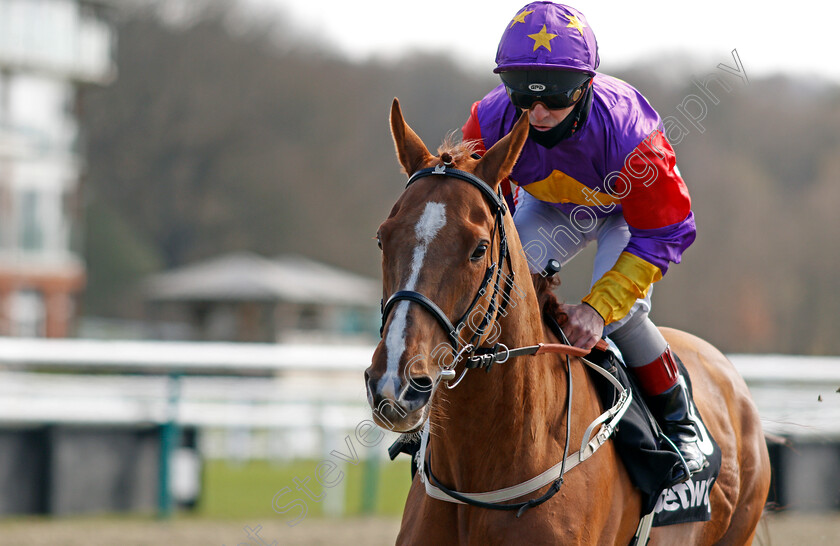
x,y
596,167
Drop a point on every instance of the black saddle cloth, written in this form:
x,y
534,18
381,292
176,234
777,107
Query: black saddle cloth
x,y
650,460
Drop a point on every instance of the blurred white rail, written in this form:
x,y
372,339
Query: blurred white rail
x,y
796,395
300,387
181,357
299,396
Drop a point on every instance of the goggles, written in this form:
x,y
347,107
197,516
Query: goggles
x,y
552,101
553,89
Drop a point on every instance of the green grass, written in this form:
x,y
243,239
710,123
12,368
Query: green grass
x,y
233,490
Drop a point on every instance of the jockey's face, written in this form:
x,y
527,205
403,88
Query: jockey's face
x,y
543,119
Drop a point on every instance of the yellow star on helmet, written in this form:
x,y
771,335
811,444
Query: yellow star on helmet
x,y
520,18
542,39
575,23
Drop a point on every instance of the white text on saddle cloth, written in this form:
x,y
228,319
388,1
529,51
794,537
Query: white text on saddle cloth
x,y
683,496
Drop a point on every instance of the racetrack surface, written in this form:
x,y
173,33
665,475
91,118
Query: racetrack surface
x,y
777,530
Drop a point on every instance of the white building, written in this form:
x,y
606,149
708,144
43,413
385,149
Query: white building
x,y
49,50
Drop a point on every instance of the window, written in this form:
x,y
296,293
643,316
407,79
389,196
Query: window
x,y
30,229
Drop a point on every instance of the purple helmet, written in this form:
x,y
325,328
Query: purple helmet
x,y
548,36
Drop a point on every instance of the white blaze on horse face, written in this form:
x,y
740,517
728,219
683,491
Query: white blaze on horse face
x,y
430,223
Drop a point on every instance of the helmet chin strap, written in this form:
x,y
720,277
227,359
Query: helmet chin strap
x,y
567,127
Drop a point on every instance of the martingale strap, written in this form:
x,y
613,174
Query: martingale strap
x,y
608,421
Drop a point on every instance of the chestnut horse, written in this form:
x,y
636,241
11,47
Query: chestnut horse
x,y
440,244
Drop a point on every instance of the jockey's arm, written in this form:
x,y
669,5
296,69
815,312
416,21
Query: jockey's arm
x,y
657,208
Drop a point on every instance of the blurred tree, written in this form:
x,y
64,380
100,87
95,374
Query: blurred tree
x,y
213,140
118,258
224,132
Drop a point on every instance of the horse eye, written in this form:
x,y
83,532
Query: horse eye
x,y
378,241
479,252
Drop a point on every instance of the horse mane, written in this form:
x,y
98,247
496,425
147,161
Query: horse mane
x,y
548,302
457,149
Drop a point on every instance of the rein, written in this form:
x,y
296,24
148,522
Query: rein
x,y
485,357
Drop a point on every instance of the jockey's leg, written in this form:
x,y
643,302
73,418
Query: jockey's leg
x,y
654,366
648,356
547,233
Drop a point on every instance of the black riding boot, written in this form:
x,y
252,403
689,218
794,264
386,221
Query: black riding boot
x,y
669,401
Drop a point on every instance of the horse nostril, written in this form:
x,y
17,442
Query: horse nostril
x,y
418,392
422,383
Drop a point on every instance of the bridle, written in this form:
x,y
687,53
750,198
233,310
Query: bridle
x,y
493,274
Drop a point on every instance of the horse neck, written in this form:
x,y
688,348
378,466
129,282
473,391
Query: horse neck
x,y
523,379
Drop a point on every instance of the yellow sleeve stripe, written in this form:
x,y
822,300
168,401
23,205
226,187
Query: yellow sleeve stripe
x,y
616,292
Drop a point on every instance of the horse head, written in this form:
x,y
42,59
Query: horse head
x,y
441,247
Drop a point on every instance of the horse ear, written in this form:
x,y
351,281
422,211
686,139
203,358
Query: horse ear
x,y
501,157
411,151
